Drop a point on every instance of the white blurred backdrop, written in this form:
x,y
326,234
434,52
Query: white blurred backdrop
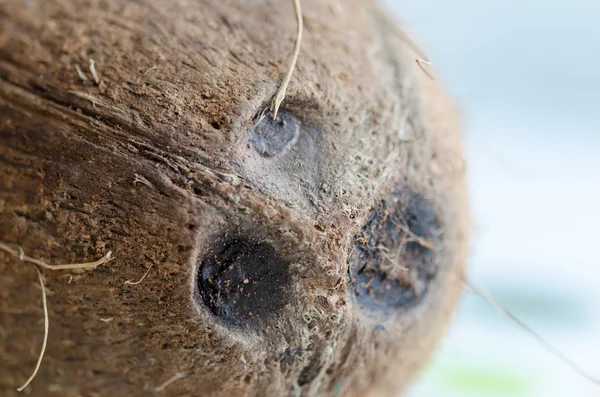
x,y
527,77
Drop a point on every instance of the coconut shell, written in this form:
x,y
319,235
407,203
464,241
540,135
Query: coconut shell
x,y
318,254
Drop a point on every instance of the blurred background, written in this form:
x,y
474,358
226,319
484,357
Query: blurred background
x,y
527,77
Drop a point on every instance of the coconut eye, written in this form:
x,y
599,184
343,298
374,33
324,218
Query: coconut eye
x,y
243,282
393,258
271,137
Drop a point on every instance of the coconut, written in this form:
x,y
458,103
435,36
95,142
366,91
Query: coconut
x,y
315,253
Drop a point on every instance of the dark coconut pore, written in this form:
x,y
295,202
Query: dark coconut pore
x,y
270,137
393,261
243,282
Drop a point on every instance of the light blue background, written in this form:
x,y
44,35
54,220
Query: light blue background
x,y
527,77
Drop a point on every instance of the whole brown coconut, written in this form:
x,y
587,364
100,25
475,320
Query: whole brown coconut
x,y
319,254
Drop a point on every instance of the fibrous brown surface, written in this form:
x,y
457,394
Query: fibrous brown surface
x,y
316,254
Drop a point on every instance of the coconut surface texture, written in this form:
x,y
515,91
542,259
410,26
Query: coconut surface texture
x,y
319,254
